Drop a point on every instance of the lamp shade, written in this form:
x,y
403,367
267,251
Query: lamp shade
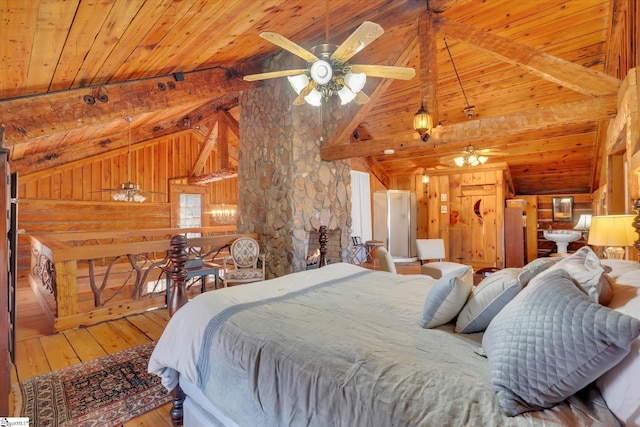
x,y
612,231
584,222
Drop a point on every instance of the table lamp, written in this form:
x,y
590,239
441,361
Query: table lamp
x,y
614,232
583,224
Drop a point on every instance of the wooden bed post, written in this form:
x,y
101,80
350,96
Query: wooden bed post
x,y
179,298
178,273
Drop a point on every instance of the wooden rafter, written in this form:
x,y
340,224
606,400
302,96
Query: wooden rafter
x,y
573,76
600,108
207,148
214,176
61,112
377,171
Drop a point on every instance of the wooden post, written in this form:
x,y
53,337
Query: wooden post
x,y
179,298
323,239
178,273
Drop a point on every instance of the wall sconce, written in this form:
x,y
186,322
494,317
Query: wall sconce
x,y
425,182
422,123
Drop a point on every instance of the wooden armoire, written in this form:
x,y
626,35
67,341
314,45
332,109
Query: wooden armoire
x,y
8,264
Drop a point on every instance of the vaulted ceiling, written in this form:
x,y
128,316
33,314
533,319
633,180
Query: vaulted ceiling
x,y
542,77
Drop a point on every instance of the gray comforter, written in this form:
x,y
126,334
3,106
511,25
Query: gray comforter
x,y
339,346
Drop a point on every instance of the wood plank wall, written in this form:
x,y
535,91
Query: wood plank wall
x,y
68,198
581,205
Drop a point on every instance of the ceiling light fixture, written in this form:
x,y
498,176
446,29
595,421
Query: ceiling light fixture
x,y
470,157
327,77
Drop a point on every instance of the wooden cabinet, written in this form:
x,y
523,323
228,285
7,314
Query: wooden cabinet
x,y
514,237
8,188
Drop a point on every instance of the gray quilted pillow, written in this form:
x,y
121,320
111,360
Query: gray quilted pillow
x,y
488,298
552,340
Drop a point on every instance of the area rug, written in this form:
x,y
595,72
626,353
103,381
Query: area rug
x,y
103,392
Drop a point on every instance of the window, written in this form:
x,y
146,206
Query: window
x,y
190,211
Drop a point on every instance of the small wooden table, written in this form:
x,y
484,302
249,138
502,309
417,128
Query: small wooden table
x,y
206,269
371,246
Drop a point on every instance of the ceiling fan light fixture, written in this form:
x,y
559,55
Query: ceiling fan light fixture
x,y
298,82
346,96
483,159
314,98
422,123
459,161
321,72
355,81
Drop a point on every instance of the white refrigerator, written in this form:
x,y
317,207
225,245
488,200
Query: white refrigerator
x,y
394,223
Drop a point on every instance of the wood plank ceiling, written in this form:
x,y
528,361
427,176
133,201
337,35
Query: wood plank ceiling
x,y
536,72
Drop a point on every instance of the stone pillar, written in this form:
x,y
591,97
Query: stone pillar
x,y
285,189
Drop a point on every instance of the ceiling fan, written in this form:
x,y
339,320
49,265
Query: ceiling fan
x,y
128,191
472,156
328,71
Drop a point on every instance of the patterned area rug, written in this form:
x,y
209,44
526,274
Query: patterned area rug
x,y
103,392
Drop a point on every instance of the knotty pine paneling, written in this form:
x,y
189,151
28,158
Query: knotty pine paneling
x,y
69,198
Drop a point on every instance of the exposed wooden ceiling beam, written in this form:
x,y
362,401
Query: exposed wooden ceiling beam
x,y
59,112
576,77
600,108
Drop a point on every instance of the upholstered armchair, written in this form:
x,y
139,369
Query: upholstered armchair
x,y
241,265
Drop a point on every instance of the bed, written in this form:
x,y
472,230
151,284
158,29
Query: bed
x,y
340,346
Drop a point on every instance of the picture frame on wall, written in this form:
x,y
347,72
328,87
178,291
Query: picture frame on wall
x,y
562,209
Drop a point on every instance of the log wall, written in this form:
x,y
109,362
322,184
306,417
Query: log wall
x,y
69,198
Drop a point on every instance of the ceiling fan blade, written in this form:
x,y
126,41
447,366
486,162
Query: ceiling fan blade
x,y
385,71
304,92
358,40
287,44
361,98
272,75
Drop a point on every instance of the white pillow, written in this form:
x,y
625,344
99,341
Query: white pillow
x,y
447,297
489,297
584,267
619,386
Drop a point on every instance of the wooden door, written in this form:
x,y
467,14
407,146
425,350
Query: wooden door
x,y
473,238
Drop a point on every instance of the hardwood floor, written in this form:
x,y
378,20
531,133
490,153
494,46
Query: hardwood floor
x,y
39,350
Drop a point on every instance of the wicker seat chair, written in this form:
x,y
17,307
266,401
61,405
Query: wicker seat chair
x,y
241,265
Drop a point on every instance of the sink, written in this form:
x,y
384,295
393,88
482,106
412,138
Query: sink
x,y
562,238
